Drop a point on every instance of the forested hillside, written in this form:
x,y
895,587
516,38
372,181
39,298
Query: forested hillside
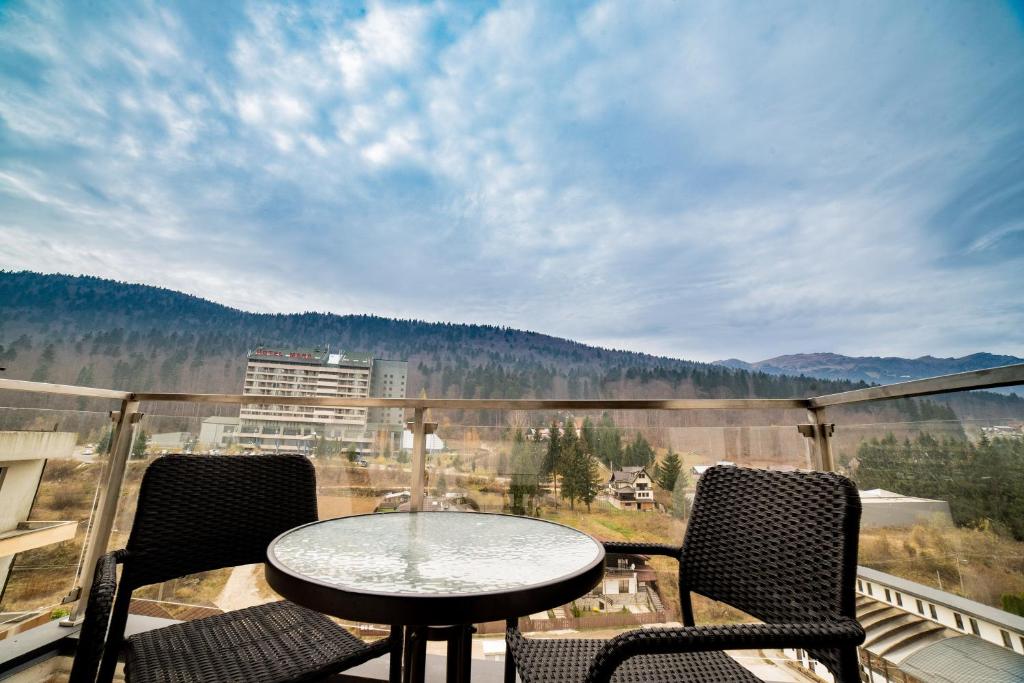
x,y
96,332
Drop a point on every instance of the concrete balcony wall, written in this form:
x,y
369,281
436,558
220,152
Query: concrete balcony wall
x,y
22,457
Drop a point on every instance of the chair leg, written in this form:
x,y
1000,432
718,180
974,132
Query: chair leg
x,y
510,662
395,663
115,635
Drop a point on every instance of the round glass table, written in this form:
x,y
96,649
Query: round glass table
x,y
426,569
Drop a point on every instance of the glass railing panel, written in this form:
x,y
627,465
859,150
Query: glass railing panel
x,y
51,461
941,484
358,467
501,461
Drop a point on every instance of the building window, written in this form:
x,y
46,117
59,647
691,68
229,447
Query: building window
x,y
860,585
959,620
975,629
623,585
920,607
1006,638
888,595
899,599
931,608
869,589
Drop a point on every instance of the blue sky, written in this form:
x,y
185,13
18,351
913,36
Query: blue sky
x,y
699,180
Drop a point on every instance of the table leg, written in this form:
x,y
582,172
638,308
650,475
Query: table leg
x,y
414,670
395,663
463,654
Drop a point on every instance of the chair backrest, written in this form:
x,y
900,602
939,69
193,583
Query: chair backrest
x,y
201,512
781,546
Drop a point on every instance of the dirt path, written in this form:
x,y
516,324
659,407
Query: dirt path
x,y
240,590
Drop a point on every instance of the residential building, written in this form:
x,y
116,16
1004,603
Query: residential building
x,y
315,372
218,432
388,380
629,583
631,488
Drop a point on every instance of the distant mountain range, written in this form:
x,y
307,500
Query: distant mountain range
x,y
95,332
871,369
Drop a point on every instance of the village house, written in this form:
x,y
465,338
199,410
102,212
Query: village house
x,y
631,488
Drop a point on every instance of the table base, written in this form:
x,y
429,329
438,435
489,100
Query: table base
x,y
414,652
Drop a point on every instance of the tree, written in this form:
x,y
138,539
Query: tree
x,y
554,453
608,442
639,453
588,435
104,445
679,501
140,443
441,484
666,473
592,480
572,465
352,454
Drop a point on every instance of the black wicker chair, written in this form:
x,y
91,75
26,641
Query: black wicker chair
x,y
196,513
781,547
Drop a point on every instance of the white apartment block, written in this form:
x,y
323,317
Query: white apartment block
x,y
304,372
388,380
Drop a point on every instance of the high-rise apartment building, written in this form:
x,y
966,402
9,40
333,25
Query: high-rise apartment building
x,y
388,380
310,372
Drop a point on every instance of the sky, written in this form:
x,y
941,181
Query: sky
x,y
698,180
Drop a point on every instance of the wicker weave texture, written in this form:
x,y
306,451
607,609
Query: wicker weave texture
x,y
94,624
544,660
199,512
279,641
779,546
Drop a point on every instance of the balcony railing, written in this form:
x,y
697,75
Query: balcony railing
x,y
810,420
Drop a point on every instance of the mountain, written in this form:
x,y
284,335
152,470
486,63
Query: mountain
x,y
96,332
870,369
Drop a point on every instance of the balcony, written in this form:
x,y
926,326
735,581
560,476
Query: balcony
x,y
491,459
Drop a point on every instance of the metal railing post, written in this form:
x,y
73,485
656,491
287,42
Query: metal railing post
x,y
99,534
419,447
819,440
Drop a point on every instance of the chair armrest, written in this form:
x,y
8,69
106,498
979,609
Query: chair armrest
x,y
93,635
818,635
630,548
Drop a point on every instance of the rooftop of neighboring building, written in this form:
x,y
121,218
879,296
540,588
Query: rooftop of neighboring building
x,y
882,496
955,602
964,658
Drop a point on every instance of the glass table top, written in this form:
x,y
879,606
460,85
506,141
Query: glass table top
x,y
429,553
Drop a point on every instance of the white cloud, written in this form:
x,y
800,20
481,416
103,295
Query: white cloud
x,y
702,179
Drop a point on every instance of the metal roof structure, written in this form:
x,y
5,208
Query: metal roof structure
x,y
965,659
955,602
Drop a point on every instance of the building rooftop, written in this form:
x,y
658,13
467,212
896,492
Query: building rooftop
x,y
976,609
964,659
882,496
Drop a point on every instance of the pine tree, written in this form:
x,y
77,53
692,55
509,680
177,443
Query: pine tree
x,y
140,443
571,465
592,482
550,468
667,472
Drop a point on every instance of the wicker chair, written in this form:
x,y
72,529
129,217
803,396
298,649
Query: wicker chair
x,y
781,547
196,513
